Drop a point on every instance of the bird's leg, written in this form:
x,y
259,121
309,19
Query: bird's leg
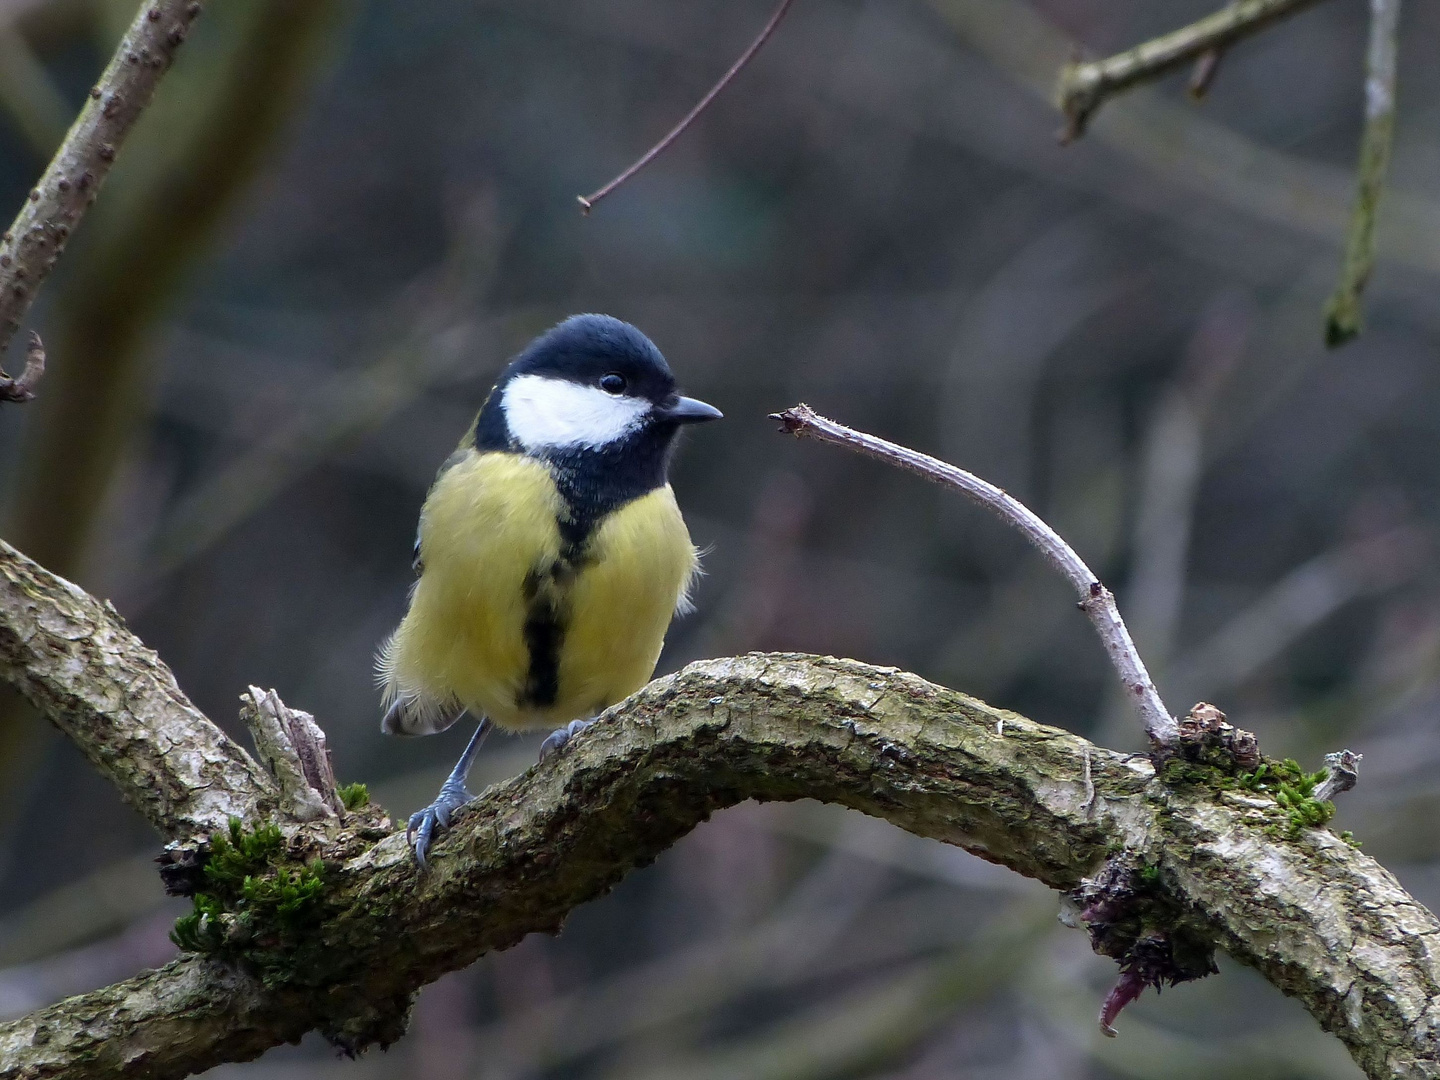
x,y
560,736
453,795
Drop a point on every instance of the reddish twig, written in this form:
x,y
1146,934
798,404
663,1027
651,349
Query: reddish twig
x,y
587,202
23,387
1095,600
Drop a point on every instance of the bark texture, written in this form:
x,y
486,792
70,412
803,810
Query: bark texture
x,y
76,661
32,245
1323,921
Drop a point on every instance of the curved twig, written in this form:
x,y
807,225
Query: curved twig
x,y
1096,601
587,202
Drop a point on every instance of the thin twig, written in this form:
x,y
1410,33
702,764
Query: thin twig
x,y
23,387
1095,600
1084,87
55,206
587,202
1343,314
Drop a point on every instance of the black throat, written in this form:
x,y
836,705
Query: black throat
x,y
594,482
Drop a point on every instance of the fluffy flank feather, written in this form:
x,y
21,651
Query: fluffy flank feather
x,y
409,711
684,605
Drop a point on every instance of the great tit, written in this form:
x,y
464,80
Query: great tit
x,y
551,554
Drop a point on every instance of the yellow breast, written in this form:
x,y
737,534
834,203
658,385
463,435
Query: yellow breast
x,y
510,622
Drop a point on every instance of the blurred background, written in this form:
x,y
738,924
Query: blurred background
x,y
339,219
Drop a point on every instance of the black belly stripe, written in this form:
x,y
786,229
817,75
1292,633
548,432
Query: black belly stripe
x,y
592,484
544,632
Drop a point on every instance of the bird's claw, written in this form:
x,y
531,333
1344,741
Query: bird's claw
x,y
560,736
423,823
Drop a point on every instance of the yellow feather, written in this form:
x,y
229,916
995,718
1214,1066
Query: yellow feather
x,y
488,524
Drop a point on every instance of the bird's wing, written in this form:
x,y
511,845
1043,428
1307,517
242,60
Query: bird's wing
x,y
459,454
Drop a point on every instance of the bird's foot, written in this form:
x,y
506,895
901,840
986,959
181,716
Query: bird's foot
x,y
423,823
560,736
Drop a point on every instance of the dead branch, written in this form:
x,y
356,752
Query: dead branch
x,y
1095,600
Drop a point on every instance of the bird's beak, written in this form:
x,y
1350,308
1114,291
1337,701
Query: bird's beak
x,y
689,411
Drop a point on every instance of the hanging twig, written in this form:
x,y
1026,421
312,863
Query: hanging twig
x,y
1084,87
1095,600
55,206
587,202
22,388
1204,73
1343,315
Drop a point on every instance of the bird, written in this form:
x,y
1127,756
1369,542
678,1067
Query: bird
x,y
551,553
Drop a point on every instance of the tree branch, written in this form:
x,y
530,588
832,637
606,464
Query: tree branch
x,y
33,243
587,202
76,661
1343,313
1096,601
1085,86
22,387
781,727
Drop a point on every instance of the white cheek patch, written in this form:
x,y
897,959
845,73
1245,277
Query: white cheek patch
x,y
547,414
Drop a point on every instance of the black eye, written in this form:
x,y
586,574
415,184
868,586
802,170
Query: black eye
x,y
614,383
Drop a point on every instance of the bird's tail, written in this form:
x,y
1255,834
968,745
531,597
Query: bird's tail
x,y
409,710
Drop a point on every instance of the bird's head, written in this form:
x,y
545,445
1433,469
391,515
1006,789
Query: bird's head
x,y
592,383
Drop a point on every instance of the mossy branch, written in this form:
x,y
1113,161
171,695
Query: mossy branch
x,y
1043,802
1344,314
1086,85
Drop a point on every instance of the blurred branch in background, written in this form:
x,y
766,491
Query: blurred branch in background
x,y
1297,602
48,217
209,134
866,1028
206,136
1193,154
1172,462
28,95
1085,85
1343,315
441,341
